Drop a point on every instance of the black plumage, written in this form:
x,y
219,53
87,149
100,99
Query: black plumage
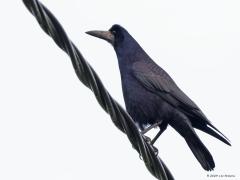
x,y
153,98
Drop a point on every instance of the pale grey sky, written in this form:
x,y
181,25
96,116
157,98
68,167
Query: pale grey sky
x,y
51,126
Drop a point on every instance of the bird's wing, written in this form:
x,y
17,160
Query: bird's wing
x,y
156,80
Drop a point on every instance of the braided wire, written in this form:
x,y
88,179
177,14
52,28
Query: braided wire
x,y
89,78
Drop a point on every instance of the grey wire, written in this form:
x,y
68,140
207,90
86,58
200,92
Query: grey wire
x,y
89,78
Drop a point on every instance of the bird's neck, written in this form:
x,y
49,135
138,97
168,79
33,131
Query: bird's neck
x,y
127,52
125,60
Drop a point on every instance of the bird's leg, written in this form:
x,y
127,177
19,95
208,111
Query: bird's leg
x,y
157,136
150,127
160,124
163,127
148,140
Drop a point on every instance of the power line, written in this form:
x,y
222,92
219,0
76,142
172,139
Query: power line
x,y
89,78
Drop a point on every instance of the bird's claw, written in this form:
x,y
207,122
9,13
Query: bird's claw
x,y
155,150
147,139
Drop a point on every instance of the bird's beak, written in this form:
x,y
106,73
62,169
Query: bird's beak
x,y
106,35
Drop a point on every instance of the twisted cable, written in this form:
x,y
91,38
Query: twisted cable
x,y
89,78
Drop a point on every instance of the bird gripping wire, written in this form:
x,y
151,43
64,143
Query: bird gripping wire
x,y
89,78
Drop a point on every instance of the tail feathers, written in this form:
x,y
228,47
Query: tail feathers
x,y
219,136
184,127
214,132
201,152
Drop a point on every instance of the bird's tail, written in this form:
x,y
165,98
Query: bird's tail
x,y
200,152
184,127
212,130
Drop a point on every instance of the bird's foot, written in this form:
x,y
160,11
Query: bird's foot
x,y
147,139
155,150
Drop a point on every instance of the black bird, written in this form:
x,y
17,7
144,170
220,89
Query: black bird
x,y
153,98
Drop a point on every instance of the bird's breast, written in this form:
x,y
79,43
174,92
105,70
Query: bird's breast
x,y
143,106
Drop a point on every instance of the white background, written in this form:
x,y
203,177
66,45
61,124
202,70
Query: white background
x,y
51,126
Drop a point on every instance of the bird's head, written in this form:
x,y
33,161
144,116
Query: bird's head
x,y
116,35
123,43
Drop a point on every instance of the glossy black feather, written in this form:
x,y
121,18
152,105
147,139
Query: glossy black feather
x,y
151,96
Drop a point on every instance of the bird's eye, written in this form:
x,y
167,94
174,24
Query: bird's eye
x,y
114,32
